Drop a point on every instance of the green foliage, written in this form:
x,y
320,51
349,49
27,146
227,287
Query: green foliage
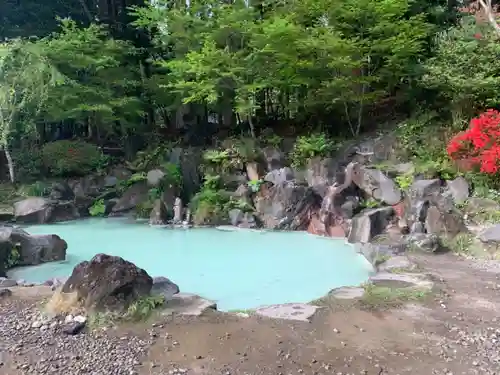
x,y
143,308
309,147
13,258
98,208
71,158
404,181
143,209
255,185
100,85
422,139
173,175
29,163
465,68
135,178
378,297
37,189
153,157
210,204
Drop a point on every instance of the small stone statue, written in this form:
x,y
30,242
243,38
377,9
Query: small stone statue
x,y
177,210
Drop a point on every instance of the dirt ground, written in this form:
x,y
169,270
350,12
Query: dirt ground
x,y
455,333
430,339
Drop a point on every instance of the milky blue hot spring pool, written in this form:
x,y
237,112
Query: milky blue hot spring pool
x,y
240,269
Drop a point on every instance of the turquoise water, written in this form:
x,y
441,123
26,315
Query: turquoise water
x,y
240,269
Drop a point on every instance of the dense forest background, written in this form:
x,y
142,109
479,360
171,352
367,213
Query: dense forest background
x,y
126,75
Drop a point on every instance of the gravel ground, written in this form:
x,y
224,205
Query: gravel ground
x,y
46,349
456,334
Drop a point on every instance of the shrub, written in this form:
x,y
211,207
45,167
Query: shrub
x,y
173,175
98,208
479,144
66,158
37,189
28,163
309,147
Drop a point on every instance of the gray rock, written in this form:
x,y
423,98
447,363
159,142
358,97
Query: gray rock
x,y
491,234
287,206
427,243
444,222
37,210
159,214
188,304
61,191
4,293
134,195
236,216
459,188
165,287
33,249
376,184
290,311
110,181
322,172
155,177
279,176
7,283
369,224
275,158
424,188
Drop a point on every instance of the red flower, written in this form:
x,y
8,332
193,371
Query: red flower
x,y
478,35
480,143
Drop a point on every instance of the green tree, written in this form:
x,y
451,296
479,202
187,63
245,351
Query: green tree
x,y
26,77
464,72
102,85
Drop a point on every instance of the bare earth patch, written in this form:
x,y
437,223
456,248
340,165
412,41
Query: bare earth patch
x,y
453,332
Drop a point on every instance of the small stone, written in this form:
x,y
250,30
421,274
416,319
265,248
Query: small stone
x,y
80,319
36,324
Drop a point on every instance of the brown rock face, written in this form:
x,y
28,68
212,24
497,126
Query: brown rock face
x,y
108,282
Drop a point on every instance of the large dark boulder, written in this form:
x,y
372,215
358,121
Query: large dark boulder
x,y
33,249
108,282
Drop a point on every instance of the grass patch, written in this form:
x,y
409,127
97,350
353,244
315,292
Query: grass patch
x,y
384,298
461,244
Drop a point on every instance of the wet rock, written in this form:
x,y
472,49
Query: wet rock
x,y
165,287
459,189
369,224
376,184
242,219
159,214
108,282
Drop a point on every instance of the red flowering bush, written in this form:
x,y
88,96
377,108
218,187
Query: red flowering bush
x,y
68,158
479,145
